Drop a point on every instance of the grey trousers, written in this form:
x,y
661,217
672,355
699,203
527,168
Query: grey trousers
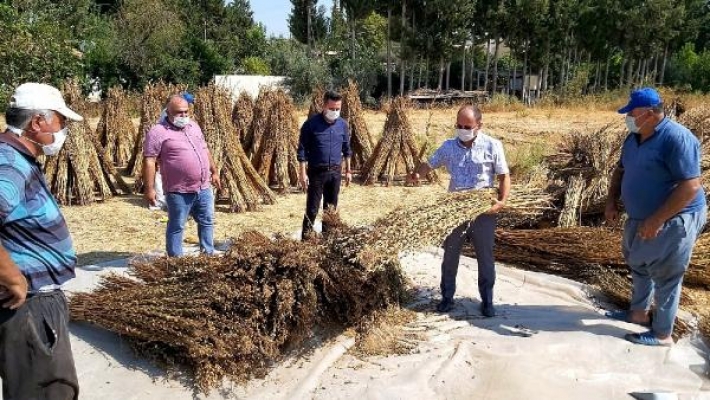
x,y
36,361
482,233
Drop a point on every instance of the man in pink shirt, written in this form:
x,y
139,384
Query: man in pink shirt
x,y
188,174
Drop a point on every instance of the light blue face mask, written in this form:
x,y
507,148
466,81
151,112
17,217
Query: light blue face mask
x,y
181,122
631,124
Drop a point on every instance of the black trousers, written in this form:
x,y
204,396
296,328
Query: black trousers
x,y
36,361
323,184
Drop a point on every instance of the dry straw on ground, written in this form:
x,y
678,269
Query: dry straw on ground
x,y
275,157
396,155
233,316
244,189
115,130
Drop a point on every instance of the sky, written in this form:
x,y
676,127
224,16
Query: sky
x,y
273,14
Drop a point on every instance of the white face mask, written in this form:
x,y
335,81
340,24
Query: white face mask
x,y
53,148
631,124
466,135
332,115
181,122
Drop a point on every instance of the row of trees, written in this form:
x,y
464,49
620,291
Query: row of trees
x,y
388,46
602,44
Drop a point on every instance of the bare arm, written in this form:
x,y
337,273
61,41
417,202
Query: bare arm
x,y
503,192
12,280
681,196
611,211
149,179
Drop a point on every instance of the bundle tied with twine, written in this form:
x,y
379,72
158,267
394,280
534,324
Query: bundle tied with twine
x,y
275,158
234,316
242,115
242,186
115,129
75,175
360,140
581,171
396,154
152,103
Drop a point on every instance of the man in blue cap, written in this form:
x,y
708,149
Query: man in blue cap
x,y
658,181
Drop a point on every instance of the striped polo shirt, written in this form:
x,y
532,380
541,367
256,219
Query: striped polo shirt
x,y
32,229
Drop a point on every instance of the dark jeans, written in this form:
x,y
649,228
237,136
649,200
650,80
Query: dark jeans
x,y
323,183
482,233
36,361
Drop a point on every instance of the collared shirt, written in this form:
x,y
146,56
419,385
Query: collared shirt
x,y
471,168
322,143
183,156
32,228
654,168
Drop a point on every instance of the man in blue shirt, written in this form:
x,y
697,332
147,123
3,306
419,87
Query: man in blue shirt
x,y
658,181
475,161
323,148
36,254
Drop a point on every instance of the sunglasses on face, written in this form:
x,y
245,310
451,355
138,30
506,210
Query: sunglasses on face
x,y
467,127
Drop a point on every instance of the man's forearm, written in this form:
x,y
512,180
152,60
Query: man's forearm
x,y
149,174
10,274
423,169
303,165
681,196
615,185
346,161
503,187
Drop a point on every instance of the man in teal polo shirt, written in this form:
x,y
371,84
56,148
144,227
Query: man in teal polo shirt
x,y
658,181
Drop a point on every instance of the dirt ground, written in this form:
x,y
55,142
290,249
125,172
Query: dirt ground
x,y
123,226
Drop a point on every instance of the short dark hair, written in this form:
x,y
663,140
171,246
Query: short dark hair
x,y
332,95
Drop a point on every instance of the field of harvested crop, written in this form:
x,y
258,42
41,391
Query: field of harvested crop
x,y
123,226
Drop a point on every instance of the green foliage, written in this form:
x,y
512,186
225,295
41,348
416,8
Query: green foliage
x,y
255,66
691,69
35,48
304,16
294,60
374,31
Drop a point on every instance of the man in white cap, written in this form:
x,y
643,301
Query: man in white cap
x,y
36,252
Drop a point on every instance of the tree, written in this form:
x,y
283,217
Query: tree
x,y
307,22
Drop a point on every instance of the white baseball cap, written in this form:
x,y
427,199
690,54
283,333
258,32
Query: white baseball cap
x,y
38,96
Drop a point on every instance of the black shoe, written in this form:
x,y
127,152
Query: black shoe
x,y
445,305
488,310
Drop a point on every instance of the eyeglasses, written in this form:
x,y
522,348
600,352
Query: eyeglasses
x,y
467,127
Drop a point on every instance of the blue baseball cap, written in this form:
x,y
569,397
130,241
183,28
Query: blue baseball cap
x,y
188,97
644,97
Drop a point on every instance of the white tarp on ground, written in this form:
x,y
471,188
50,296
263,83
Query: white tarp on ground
x,y
549,342
248,83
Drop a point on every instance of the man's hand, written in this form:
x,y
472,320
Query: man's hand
x,y
303,180
413,179
215,181
15,295
150,196
611,213
649,228
348,178
496,206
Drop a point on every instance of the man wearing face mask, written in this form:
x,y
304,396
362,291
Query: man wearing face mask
x,y
475,161
658,181
323,152
187,173
36,252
